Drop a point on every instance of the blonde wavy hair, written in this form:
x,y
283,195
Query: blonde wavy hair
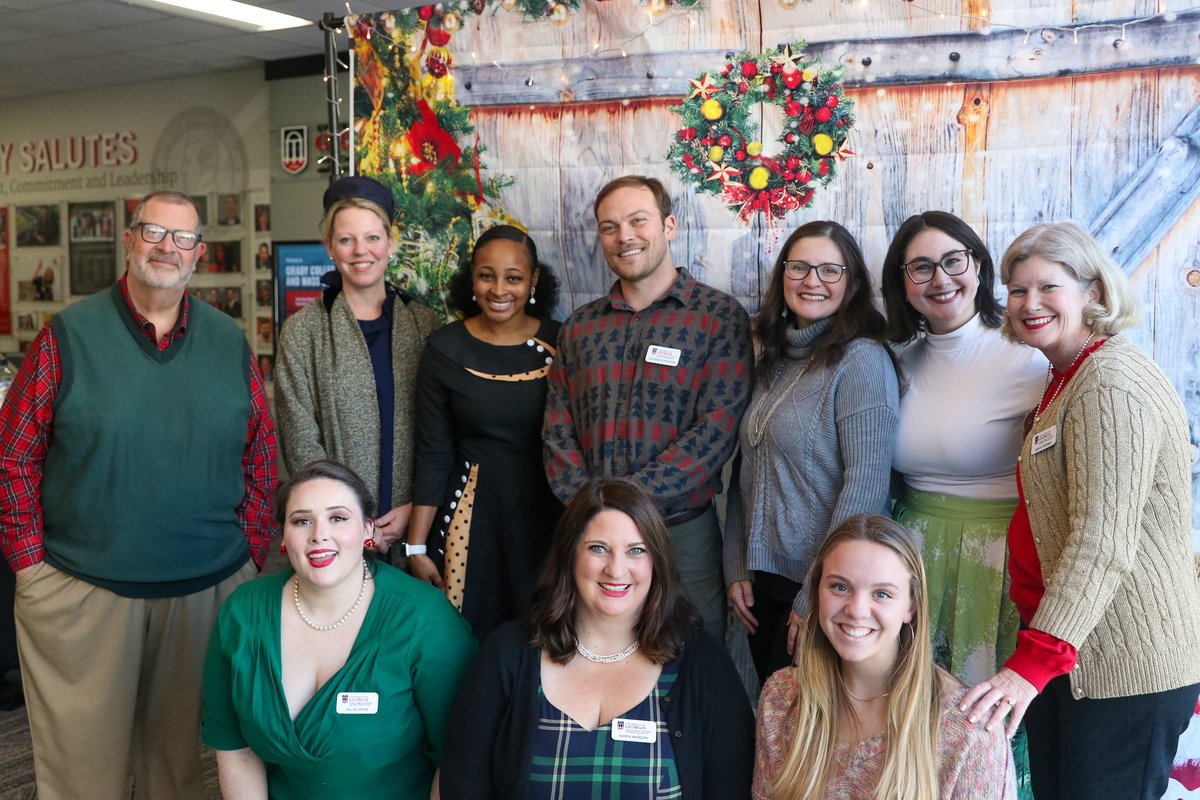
x,y
1068,244
910,769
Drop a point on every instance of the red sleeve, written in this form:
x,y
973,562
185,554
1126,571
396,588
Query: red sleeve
x,y
258,466
26,420
1040,657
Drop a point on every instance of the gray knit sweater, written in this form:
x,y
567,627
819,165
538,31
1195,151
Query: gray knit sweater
x,y
325,391
816,448
1110,507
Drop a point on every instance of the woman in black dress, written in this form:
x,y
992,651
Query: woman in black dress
x,y
480,488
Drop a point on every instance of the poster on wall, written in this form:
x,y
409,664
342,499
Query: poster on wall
x,y
223,256
131,204
92,222
93,266
5,298
39,278
222,298
298,270
38,226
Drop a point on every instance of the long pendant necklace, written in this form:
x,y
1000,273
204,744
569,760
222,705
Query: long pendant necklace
x,y
762,415
611,658
1040,409
362,589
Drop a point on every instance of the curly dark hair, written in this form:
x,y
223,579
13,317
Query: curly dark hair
x,y
667,617
905,323
545,291
856,317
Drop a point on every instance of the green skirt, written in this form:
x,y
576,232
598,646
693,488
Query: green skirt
x,y
972,620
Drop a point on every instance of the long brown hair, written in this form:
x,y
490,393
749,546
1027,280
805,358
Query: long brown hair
x,y
667,616
857,316
914,697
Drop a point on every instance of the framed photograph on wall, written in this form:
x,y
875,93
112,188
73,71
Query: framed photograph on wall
x,y
38,226
39,277
92,222
93,266
131,204
222,256
200,201
229,209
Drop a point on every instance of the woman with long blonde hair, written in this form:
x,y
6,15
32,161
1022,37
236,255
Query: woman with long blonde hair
x,y
865,713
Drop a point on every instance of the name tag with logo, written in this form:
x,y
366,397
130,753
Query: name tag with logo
x,y
634,730
667,356
357,703
1044,439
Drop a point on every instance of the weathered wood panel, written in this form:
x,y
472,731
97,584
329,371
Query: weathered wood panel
x,y
1003,154
958,57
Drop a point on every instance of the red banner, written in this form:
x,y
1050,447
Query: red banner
x,y
5,298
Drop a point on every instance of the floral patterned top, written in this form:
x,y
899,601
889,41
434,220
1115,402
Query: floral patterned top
x,y
973,763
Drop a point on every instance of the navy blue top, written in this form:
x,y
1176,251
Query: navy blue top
x,y
378,335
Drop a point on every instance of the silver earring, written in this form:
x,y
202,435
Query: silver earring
x,y
473,300
532,299
783,314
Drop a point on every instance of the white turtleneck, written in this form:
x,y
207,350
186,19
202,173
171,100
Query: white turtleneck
x,y
960,418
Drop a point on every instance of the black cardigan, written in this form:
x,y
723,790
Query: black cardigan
x,y
487,750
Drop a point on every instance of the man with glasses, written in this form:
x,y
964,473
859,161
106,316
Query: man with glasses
x,y
137,455
650,382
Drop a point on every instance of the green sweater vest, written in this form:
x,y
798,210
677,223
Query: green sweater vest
x,y
143,473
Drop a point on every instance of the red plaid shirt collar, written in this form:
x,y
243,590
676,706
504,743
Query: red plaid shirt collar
x,y
147,327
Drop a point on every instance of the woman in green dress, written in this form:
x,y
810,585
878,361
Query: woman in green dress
x,y
333,678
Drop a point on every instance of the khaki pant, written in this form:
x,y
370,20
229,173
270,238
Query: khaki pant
x,y
113,683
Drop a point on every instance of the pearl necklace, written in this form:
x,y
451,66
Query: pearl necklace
x,y
611,658
1037,414
362,589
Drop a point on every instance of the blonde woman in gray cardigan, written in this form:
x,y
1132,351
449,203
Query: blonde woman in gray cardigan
x,y
815,445
347,363
1107,666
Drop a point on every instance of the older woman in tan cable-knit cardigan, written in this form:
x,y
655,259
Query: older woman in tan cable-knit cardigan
x,y
347,362
1107,666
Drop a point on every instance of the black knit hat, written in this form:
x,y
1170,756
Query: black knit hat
x,y
363,188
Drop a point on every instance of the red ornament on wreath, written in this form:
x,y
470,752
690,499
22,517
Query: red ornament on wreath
x,y
741,173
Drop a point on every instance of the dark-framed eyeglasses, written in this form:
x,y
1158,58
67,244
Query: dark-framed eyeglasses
x,y
827,273
153,234
921,270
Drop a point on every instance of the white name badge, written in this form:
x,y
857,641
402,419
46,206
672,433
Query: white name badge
x,y
1044,439
357,703
667,356
634,730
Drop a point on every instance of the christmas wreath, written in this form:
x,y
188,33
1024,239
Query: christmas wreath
x,y
718,149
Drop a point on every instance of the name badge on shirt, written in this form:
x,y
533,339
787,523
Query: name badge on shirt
x,y
358,703
1044,439
667,356
634,730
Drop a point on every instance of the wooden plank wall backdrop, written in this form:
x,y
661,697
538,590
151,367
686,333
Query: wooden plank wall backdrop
x,y
564,109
